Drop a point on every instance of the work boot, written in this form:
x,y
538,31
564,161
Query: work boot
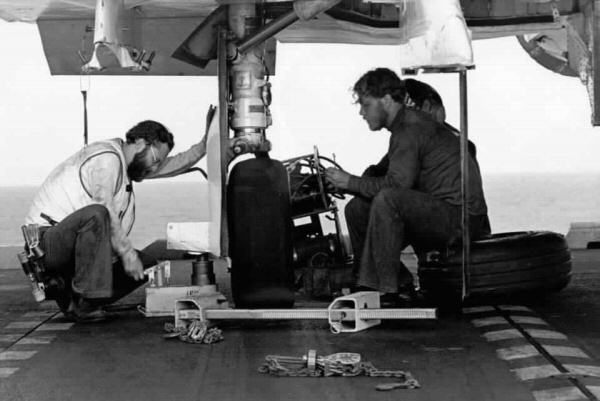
x,y
410,297
389,300
406,297
84,310
360,288
63,300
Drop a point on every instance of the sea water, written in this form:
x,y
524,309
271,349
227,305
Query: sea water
x,y
516,202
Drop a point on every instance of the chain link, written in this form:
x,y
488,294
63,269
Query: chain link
x,y
332,365
195,332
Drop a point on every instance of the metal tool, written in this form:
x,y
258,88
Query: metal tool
x,y
161,295
32,261
37,288
159,275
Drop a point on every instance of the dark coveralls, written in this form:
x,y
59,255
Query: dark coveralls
x,y
411,197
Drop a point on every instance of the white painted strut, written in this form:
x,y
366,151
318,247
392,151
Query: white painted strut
x,y
109,41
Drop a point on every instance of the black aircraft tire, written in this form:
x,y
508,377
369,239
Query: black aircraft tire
x,y
505,264
260,235
511,246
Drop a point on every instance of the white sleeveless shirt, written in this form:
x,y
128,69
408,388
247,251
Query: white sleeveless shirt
x,y
67,188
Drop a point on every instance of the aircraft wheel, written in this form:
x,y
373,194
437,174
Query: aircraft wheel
x,y
504,264
260,234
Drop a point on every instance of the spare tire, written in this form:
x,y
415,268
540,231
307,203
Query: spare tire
x,y
503,264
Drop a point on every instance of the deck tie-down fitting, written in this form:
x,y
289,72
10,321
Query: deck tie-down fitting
x,y
350,313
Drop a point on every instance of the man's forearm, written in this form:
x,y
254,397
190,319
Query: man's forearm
x,y
365,186
368,187
181,162
118,239
377,170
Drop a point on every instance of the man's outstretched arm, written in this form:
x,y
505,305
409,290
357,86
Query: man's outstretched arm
x,y
182,162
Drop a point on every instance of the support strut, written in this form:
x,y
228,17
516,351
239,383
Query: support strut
x,y
350,313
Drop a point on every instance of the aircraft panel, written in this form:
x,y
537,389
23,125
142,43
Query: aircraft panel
x,y
32,10
63,39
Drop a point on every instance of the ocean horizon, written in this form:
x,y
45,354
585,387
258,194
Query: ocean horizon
x,y
516,202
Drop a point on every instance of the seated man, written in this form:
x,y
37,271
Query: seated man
x,y
86,209
412,196
422,96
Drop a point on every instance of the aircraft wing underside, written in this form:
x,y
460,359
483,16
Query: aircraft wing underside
x,y
557,34
67,26
33,10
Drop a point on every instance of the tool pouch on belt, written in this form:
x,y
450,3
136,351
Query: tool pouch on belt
x,y
32,261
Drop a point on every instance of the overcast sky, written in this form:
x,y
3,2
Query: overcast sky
x,y
522,117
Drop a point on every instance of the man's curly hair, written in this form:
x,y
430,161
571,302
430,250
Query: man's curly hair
x,y
152,132
378,83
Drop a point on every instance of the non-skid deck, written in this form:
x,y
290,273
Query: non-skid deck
x,y
543,349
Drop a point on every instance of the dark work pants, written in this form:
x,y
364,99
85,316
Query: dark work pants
x,y
382,227
79,250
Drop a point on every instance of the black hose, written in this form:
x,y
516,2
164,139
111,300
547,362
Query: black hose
x,y
191,169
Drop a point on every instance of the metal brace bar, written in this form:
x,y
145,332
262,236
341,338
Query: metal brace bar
x,y
307,314
350,313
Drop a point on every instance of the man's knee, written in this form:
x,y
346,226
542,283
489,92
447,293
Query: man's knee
x,y
389,200
96,210
400,202
97,213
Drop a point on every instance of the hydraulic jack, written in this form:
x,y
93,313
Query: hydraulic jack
x,y
161,296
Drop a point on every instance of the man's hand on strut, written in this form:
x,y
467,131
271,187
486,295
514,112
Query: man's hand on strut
x,y
338,178
133,266
204,140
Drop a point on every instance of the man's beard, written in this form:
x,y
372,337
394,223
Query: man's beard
x,y
137,169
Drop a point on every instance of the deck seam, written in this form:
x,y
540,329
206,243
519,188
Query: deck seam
x,y
547,355
21,338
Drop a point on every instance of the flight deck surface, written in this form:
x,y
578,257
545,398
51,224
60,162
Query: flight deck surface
x,y
541,349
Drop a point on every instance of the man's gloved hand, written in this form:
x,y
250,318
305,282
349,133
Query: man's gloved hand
x,y
338,178
133,266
